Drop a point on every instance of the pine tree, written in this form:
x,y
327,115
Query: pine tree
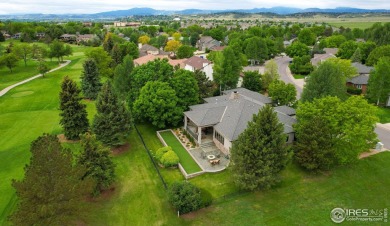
x,y
51,192
96,159
357,56
112,122
260,152
73,113
122,78
116,55
90,80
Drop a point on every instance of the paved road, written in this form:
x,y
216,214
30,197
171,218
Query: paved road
x,y
5,90
382,130
286,76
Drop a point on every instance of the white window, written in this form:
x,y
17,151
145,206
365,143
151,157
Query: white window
x,y
358,86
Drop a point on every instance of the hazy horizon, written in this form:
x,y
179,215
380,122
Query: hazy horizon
x,y
96,6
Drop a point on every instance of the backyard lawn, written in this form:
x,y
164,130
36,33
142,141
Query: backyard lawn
x,y
188,163
383,115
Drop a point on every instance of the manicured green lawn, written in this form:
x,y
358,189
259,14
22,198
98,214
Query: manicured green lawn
x,y
354,24
307,199
383,115
26,112
299,76
188,163
20,72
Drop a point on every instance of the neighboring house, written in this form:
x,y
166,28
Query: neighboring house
x,y
40,35
126,24
329,53
218,48
87,24
17,36
68,38
361,80
288,43
207,42
147,58
148,49
85,38
198,63
224,118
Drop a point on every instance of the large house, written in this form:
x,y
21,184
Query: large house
x,y
150,57
149,49
361,80
223,118
207,43
198,63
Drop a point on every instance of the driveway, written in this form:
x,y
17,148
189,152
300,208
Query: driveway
x,y
382,130
286,76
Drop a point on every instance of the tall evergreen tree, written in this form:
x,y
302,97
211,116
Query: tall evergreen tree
x,y
90,79
51,192
357,56
122,78
227,69
96,159
116,55
260,152
112,122
73,113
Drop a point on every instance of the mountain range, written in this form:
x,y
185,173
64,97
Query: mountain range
x,y
150,12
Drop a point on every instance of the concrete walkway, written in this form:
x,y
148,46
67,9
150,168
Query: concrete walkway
x,y
4,91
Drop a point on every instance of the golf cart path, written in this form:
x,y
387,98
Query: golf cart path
x,y
5,90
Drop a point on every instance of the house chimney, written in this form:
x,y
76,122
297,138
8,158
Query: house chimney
x,y
234,95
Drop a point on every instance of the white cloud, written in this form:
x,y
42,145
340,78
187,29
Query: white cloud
x,y
93,6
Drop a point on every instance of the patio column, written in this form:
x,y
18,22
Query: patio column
x,y
185,122
199,135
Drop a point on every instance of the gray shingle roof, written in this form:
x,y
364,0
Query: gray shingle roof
x,y
285,110
359,80
231,115
361,68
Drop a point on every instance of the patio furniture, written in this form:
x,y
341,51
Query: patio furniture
x,y
214,162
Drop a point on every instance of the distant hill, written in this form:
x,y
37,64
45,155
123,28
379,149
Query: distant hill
x,y
154,12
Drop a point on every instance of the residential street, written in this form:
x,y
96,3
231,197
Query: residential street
x,y
382,130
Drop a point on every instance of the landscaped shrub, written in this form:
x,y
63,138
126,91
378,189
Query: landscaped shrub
x,y
169,159
354,91
207,199
185,197
161,151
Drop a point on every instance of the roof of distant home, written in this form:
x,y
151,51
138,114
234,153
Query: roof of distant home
x,y
231,112
150,57
197,62
359,80
361,68
147,47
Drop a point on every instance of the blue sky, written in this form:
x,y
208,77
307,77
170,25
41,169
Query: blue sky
x,y
93,6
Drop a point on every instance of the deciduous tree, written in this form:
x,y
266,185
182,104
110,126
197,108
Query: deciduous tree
x,y
378,89
227,69
186,88
282,93
252,81
157,103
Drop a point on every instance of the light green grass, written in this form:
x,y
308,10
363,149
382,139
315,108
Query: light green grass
x,y
307,199
188,163
299,76
383,115
21,72
354,24
25,117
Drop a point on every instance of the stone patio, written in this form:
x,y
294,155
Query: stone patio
x,y
200,156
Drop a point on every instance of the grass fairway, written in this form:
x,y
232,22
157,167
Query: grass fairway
x,y
188,163
359,24
26,112
20,72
